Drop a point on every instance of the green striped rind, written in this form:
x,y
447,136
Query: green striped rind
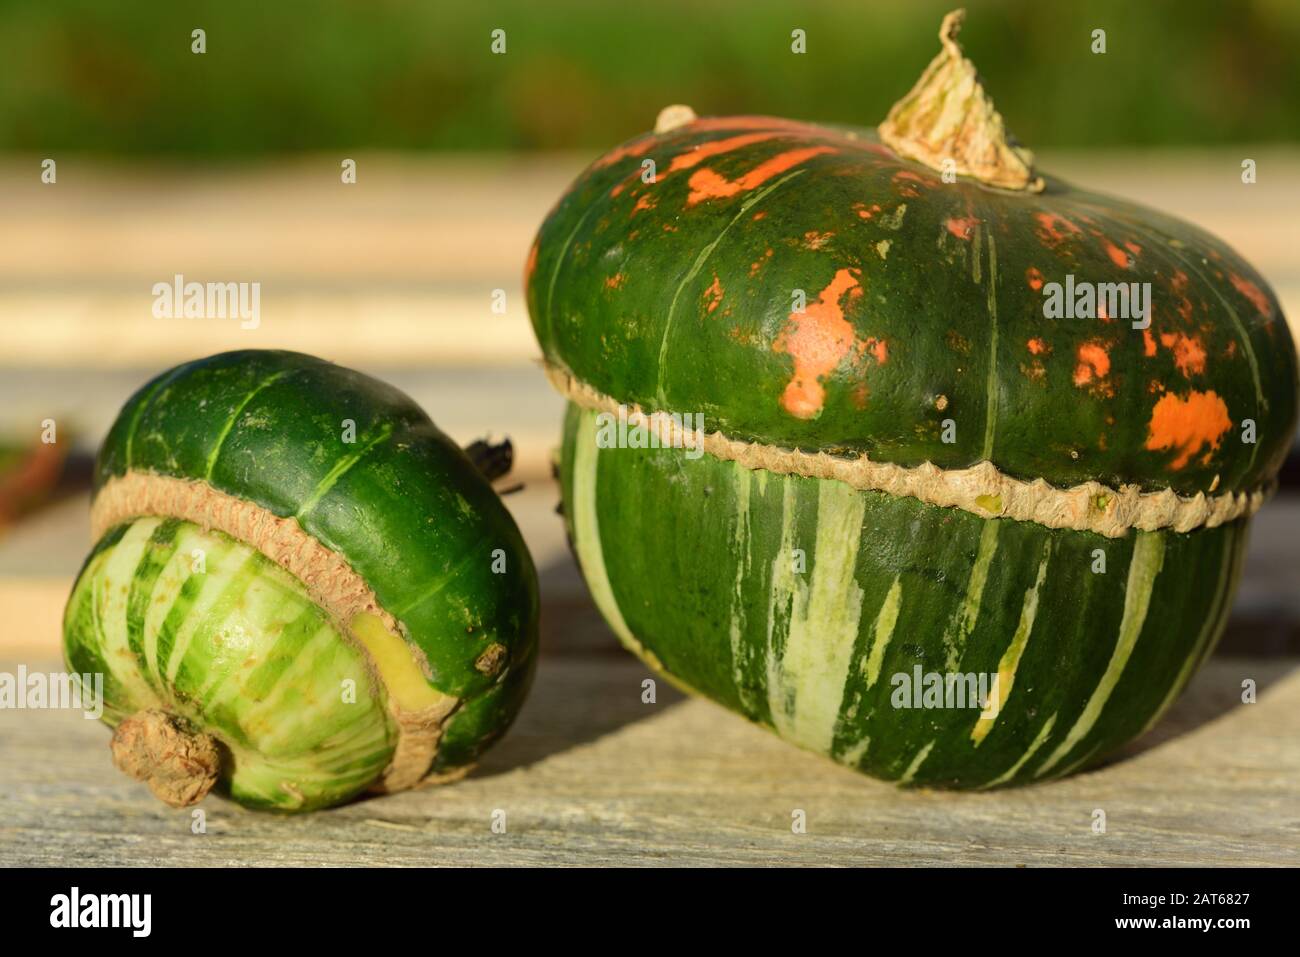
x,y
714,590
685,305
206,628
401,503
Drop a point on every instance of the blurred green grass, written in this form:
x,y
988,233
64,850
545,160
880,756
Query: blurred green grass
x,y
293,76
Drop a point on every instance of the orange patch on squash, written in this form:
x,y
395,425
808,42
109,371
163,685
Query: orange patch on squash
x,y
646,201
1148,343
1038,347
809,131
762,213
1253,293
636,148
1117,255
905,180
1133,247
815,240
879,348
713,295
707,184
698,154
1189,354
1094,363
962,228
1179,284
755,266
615,281
1187,425
866,212
1054,229
1034,278
817,339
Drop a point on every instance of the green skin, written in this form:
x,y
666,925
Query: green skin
x,y
676,295
402,504
696,561
625,299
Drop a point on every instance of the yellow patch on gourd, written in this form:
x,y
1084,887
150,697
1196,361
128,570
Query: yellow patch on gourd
x,y
401,676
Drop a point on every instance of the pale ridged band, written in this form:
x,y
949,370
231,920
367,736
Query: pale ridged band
x,y
1090,506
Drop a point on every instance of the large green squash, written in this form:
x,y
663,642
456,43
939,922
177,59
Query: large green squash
x,y
911,472
300,588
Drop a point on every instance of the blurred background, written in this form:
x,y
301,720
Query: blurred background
x,y
225,166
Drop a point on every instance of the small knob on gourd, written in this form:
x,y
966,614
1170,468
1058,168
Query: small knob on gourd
x,y
671,117
179,765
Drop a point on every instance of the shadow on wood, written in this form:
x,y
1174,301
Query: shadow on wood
x,y
601,689
1211,695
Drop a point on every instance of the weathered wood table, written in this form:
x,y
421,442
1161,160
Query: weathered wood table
x,y
592,775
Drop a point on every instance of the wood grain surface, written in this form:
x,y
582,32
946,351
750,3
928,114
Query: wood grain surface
x,y
592,776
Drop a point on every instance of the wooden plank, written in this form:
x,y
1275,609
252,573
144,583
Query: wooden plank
x,y
401,267
593,776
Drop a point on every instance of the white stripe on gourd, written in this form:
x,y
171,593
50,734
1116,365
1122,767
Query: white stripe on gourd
x,y
154,615
882,631
586,537
915,766
1212,628
739,647
781,591
954,638
824,621
215,578
114,600
261,606
1010,661
1080,762
993,385
308,669
1148,558
166,590
854,754
1039,739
